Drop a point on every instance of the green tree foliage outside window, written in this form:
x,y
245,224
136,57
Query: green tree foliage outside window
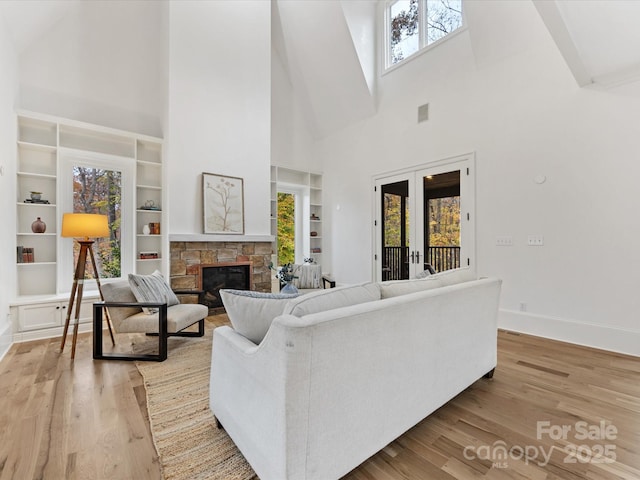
x,y
393,221
97,190
286,228
441,18
404,29
444,222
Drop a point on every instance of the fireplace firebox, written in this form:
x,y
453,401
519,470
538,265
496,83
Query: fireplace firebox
x,y
217,276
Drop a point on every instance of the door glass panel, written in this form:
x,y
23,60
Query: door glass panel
x,y
395,231
442,220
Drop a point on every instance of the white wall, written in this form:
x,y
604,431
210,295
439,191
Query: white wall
x,y
506,94
100,63
291,139
8,94
219,106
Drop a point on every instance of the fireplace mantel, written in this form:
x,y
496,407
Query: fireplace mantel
x,y
201,237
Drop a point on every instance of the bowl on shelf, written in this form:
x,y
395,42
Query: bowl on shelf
x,y
35,195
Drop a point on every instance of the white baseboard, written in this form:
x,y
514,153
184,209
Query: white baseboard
x,y
587,334
6,340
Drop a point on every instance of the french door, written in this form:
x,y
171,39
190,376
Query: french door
x,y
425,219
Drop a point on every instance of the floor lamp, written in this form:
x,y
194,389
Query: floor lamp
x,y
85,226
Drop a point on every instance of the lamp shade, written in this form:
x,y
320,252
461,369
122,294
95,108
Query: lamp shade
x,y
87,225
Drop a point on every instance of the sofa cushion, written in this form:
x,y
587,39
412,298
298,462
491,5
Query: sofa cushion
x,y
251,313
152,288
451,277
332,298
394,288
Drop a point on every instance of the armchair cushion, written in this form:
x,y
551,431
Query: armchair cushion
x,y
178,317
152,289
251,313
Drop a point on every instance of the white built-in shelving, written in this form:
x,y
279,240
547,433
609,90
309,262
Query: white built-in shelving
x,y
41,140
310,184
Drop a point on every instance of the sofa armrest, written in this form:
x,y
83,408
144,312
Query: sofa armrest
x,y
131,304
259,394
234,340
116,319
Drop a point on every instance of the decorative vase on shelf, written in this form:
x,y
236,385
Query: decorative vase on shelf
x,y
146,230
38,226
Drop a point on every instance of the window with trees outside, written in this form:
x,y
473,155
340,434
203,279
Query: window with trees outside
x,y
286,228
412,25
102,185
97,190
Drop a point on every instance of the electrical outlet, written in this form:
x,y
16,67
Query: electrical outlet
x,y
535,240
504,240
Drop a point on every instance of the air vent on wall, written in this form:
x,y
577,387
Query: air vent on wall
x,y
423,113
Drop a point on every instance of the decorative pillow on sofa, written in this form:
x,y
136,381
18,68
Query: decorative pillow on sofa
x,y
394,288
333,298
152,288
451,277
251,313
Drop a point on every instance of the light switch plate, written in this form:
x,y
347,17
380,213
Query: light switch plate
x,y
504,240
535,240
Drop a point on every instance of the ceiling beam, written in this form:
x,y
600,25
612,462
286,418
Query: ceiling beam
x,y
550,14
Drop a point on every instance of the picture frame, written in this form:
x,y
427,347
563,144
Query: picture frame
x,y
223,204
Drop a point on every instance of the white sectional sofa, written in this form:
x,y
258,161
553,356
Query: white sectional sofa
x,y
331,385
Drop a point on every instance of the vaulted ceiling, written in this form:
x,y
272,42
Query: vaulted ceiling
x,y
328,47
330,68
599,39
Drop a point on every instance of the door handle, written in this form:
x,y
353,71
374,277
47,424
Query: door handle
x,y
418,257
412,257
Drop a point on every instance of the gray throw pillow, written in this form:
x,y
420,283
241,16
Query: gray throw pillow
x,y
152,288
394,288
452,277
330,299
251,313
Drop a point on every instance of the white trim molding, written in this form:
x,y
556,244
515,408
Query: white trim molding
x,y
571,331
6,340
202,237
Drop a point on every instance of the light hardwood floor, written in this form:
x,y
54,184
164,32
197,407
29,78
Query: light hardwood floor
x,y
87,420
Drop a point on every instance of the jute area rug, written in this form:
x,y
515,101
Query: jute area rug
x,y
188,443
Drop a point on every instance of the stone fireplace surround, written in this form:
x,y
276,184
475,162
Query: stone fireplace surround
x,y
187,257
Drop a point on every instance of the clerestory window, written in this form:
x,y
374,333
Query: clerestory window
x,y
412,25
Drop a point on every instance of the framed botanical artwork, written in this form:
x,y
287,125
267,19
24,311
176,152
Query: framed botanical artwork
x,y
223,204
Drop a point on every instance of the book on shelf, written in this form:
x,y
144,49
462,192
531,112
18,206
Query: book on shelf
x,y
148,255
25,254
